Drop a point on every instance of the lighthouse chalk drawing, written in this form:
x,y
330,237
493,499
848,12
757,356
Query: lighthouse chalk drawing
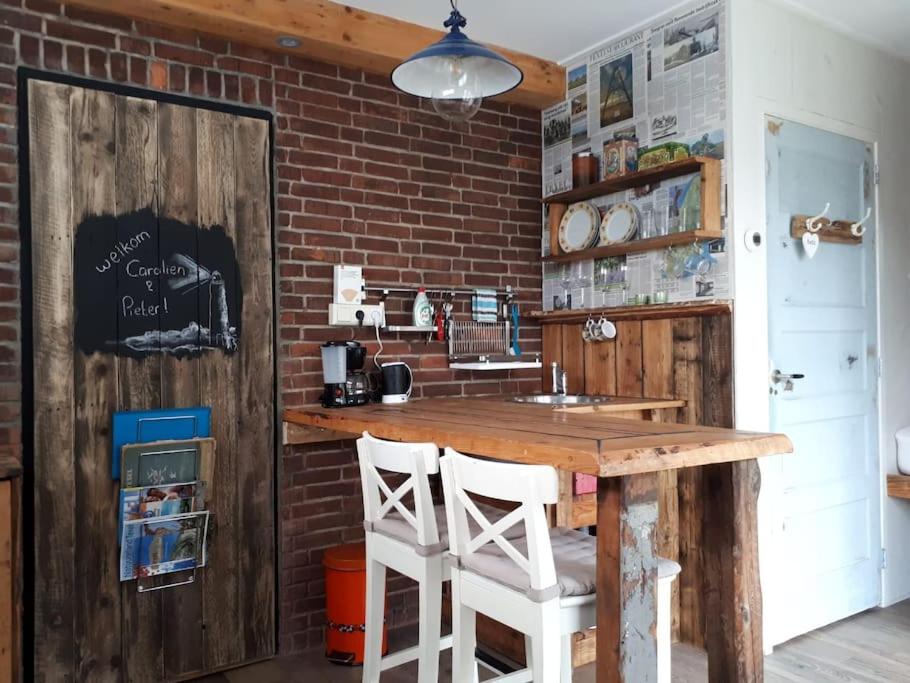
x,y
147,284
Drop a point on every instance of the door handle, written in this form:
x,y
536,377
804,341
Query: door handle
x,y
778,376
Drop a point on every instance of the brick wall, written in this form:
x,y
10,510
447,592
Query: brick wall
x,y
366,176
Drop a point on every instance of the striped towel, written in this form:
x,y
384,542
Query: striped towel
x,y
484,306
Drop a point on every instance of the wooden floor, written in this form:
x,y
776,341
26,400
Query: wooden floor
x,y
873,647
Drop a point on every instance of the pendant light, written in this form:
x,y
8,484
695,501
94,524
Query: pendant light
x,y
456,73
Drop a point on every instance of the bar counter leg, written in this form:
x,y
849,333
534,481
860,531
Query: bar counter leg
x,y
627,579
733,601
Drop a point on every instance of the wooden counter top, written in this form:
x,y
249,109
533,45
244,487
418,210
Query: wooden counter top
x,y
590,442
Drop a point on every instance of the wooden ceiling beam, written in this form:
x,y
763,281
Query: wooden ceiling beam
x,y
328,32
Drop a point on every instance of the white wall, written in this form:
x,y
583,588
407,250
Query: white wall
x,y
791,66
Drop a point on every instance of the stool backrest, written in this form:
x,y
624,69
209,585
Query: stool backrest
x,y
533,486
415,459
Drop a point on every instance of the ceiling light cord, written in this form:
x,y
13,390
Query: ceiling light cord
x,y
456,21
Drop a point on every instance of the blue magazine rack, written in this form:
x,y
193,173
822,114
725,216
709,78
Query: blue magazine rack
x,y
142,426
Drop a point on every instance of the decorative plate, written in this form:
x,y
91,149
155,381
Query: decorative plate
x,y
620,224
578,228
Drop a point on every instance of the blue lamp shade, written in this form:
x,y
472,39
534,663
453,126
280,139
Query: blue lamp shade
x,y
458,59
456,73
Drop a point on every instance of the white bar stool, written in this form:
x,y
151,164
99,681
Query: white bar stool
x,y
411,542
542,584
667,571
406,541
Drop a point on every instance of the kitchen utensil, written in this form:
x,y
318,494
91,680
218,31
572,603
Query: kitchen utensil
x,y
619,224
516,349
578,228
397,382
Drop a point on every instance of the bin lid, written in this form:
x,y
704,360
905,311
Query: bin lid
x,y
903,435
348,557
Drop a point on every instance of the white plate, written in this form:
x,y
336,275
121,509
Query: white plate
x,y
579,227
620,224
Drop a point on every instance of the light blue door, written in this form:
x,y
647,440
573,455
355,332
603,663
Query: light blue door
x,y
824,499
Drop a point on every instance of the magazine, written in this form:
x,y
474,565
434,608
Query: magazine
x,y
159,501
163,545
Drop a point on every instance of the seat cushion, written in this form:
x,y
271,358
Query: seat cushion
x,y
574,556
394,525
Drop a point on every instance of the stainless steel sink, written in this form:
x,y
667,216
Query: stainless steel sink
x,y
561,399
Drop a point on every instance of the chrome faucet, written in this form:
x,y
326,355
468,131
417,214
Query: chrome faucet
x,y
560,379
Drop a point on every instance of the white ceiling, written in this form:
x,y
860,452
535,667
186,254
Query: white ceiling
x,y
543,28
561,30
884,24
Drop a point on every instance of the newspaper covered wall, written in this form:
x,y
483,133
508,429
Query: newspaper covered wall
x,y
664,83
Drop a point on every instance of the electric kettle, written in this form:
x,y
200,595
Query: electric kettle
x,y
397,381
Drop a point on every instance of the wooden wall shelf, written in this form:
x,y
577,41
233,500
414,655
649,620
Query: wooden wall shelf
x,y
649,312
638,179
711,223
899,486
634,246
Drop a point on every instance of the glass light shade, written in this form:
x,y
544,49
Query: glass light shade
x,y
456,73
456,90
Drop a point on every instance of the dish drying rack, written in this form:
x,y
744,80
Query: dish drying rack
x,y
484,346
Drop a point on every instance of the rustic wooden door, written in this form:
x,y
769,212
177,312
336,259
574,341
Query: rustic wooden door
x,y
151,286
824,499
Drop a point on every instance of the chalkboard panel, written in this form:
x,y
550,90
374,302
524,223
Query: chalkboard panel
x,y
174,287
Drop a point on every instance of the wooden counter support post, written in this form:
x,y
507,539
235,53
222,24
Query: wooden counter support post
x,y
627,579
733,602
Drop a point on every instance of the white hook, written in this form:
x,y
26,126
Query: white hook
x,y
858,229
810,222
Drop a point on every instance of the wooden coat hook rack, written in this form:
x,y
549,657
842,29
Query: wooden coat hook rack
x,y
828,230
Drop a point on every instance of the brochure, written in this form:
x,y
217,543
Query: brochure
x,y
159,501
163,545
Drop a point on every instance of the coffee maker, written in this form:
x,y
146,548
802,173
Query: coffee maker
x,y
345,382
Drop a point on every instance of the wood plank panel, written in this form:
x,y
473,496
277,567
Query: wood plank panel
x,y
98,155
329,32
573,357
658,381
50,146
687,370
139,378
9,613
733,601
256,429
717,355
657,358
552,353
97,594
181,606
219,378
600,367
628,358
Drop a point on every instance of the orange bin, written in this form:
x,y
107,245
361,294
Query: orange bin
x,y
345,603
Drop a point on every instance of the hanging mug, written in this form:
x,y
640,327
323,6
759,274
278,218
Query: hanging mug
x,y
604,329
587,332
